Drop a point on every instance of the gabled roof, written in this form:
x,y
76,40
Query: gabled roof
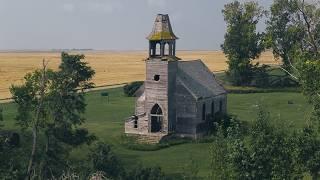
x,y
162,29
198,79
139,91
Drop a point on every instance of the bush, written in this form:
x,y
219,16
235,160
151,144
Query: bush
x,y
219,122
146,173
131,88
261,76
104,94
247,90
103,159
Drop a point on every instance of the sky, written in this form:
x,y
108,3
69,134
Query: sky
x,y
109,24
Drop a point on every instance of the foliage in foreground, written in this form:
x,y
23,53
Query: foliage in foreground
x,y
266,152
51,104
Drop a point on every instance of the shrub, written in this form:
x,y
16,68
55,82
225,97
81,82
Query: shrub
x,y
217,122
131,88
103,159
104,94
145,173
261,76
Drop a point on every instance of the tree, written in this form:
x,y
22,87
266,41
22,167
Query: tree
x,y
1,115
220,165
30,100
268,153
284,32
242,42
295,32
51,104
309,152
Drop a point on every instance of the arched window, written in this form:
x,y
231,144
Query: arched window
x,y
166,49
203,111
156,118
158,49
212,108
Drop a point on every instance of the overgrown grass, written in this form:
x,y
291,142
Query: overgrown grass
x,y
106,120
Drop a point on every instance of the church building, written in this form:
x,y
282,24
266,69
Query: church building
x,y
177,96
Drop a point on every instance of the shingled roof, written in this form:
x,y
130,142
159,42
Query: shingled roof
x,y
198,79
162,29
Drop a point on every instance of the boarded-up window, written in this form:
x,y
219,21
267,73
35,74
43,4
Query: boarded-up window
x,y
203,111
135,123
212,108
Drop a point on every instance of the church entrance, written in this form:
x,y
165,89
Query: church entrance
x,y
156,118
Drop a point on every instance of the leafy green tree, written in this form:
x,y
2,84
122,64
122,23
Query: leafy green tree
x,y
295,26
1,115
30,100
267,153
242,42
220,165
309,151
51,104
284,32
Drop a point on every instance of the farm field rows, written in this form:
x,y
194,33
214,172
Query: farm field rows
x,y
111,67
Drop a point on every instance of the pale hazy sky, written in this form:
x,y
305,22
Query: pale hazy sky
x,y
109,24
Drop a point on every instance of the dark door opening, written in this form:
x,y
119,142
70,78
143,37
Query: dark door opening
x,y
156,118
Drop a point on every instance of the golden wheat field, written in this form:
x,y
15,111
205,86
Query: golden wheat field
x,y
110,67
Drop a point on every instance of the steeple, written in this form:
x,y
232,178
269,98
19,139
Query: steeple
x,y
162,40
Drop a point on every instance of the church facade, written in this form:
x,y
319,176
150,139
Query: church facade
x,y
177,96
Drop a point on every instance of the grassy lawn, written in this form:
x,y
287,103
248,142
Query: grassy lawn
x,y
106,120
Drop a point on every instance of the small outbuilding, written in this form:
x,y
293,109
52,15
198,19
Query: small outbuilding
x,y
177,96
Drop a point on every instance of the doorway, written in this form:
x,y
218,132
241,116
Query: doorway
x,y
156,118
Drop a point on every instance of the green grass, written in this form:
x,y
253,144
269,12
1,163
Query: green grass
x,y
106,120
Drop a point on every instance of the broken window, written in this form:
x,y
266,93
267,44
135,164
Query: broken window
x,y
156,77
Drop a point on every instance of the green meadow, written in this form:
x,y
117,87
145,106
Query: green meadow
x,y
105,118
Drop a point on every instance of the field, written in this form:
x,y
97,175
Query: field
x,y
106,121
110,67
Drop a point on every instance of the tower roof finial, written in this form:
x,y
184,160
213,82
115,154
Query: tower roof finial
x,y
162,29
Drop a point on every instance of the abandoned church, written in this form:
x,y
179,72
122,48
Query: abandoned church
x,y
177,96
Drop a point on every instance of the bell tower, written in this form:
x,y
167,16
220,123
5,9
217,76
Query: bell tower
x,y
162,41
161,70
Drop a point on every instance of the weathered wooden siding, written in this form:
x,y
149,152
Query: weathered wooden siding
x,y
157,91
182,110
140,107
186,110
172,76
217,99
